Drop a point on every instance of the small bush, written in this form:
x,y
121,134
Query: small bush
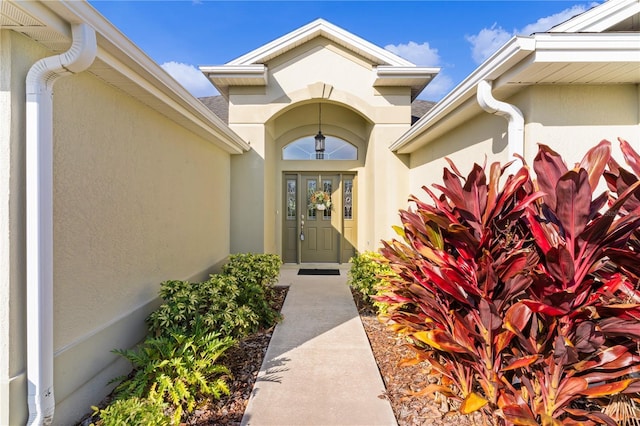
x,y
194,326
176,369
212,305
368,275
132,411
256,273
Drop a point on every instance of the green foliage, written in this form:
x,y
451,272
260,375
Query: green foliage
x,y
132,411
212,305
256,274
369,275
236,303
176,365
176,369
522,295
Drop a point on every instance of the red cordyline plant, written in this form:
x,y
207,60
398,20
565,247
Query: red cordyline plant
x,y
524,296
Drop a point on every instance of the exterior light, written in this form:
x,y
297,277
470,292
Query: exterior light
x,y
319,137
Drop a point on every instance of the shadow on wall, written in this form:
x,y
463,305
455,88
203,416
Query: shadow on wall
x,y
480,130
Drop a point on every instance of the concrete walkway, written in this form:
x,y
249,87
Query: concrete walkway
x,y
319,368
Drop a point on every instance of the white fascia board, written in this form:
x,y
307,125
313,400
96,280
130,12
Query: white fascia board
x,y
600,47
384,72
510,54
319,27
599,18
125,57
255,74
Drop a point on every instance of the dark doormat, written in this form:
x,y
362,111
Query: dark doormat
x,y
318,272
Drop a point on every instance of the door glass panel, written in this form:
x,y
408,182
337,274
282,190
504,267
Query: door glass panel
x,y
291,199
347,201
311,188
327,187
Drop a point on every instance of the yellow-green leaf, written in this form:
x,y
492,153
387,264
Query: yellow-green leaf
x,y
473,402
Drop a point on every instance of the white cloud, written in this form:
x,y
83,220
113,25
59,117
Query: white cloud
x,y
436,89
488,40
424,55
544,24
419,54
191,78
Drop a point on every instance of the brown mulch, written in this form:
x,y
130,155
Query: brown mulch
x,y
403,382
245,359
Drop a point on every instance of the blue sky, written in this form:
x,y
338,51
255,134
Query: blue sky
x,y
454,35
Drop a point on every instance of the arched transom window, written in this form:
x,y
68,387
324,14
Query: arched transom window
x,y
335,149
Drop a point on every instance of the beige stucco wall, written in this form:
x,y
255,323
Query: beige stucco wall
x,y
286,109
570,119
137,200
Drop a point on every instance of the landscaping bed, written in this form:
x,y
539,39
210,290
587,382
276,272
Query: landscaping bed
x,y
245,361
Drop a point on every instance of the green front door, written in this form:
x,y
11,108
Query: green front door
x,y
311,235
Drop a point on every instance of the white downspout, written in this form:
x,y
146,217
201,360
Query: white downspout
x,y
39,220
515,128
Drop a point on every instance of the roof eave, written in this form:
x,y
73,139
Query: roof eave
x,y
117,51
224,76
417,78
506,57
507,66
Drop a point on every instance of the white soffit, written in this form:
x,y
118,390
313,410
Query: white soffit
x,y
119,63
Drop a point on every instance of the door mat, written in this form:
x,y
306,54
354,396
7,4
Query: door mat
x,y
318,272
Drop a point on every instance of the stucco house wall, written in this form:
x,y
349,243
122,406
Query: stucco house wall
x,y
138,199
570,119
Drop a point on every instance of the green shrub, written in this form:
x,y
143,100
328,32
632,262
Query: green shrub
x,y
256,274
176,369
521,295
368,275
236,303
132,411
213,305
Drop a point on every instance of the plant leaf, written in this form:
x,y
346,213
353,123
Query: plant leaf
x,y
522,362
608,389
472,402
549,167
595,161
519,415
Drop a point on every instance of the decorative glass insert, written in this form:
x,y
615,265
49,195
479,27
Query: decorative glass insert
x,y
327,187
347,201
305,149
291,199
311,188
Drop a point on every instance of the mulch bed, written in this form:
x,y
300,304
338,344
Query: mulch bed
x,y
403,382
245,359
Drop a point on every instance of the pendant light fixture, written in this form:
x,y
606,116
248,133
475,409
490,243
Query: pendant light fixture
x,y
320,137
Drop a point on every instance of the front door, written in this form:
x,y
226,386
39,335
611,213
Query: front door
x,y
312,235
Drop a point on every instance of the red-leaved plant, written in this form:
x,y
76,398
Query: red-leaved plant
x,y
524,296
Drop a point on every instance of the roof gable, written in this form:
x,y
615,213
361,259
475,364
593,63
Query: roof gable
x,y
389,70
320,28
616,15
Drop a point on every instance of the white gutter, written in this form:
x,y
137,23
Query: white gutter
x,y
39,170
515,128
